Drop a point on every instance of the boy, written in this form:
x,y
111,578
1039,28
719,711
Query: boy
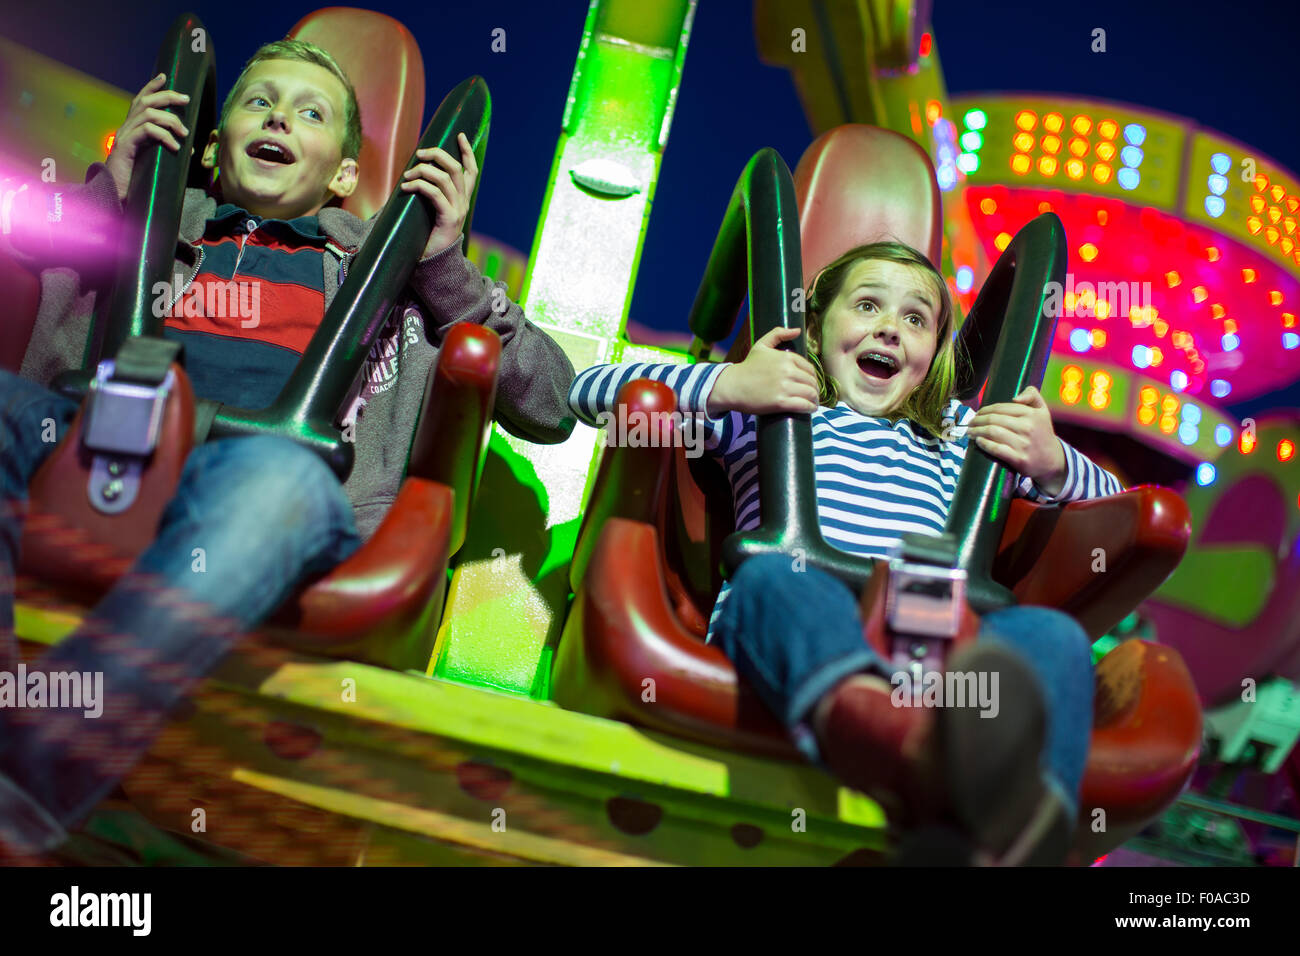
x,y
267,513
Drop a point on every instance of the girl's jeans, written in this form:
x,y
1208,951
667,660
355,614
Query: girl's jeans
x,y
267,515
794,635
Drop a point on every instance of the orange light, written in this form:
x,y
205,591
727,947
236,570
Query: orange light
x,y
1102,216
1212,253
1072,375
1293,203
1105,152
1253,224
1248,275
1100,381
1107,129
1277,192
1261,183
1170,404
1216,310
926,40
1229,327
1257,203
1271,234
1078,146
1051,144
1289,225
1274,214
1053,122
1161,328
1099,400
988,207
1288,320
1157,356
1070,394
108,143
1023,142
1168,423
1087,252
933,110
1026,120
1098,339
1287,245
1274,297
1002,241
1020,164
1081,124
1047,165
1074,168
1044,206
1070,301
1285,450
1199,294
1173,278
1148,394
1103,312
1101,173
1146,415
1246,444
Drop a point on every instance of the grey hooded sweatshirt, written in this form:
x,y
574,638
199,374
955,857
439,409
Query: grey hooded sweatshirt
x,y
535,374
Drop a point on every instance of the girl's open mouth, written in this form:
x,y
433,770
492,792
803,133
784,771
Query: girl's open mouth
x,y
878,365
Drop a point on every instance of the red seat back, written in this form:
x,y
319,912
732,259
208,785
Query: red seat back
x,y
383,61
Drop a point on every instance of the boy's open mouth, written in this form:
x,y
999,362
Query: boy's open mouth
x,y
269,151
878,364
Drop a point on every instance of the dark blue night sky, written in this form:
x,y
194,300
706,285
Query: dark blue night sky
x,y
1230,67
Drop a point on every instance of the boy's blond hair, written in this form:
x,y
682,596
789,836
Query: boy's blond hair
x,y
926,404
304,52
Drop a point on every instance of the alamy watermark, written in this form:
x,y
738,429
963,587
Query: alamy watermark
x,y
75,690
1095,299
947,689
637,429
233,299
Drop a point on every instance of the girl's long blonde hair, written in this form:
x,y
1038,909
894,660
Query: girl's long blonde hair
x,y
926,404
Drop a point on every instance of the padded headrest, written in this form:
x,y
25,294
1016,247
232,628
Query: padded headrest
x,y
857,184
383,61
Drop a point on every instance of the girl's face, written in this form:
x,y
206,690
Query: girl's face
x,y
879,334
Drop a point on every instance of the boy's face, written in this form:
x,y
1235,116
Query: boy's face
x,y
884,308
280,152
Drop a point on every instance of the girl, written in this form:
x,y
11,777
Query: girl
x,y
889,441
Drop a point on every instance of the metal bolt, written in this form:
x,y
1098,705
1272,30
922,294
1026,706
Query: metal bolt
x,y
116,467
113,490
918,650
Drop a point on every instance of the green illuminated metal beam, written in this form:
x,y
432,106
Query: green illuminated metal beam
x,y
508,594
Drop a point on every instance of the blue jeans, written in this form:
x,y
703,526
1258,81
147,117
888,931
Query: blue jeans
x,y
267,515
764,628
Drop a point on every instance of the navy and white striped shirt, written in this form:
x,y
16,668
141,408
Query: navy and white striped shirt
x,y
876,480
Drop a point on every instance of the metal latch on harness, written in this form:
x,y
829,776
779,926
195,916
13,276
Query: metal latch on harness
x,y
924,599
122,424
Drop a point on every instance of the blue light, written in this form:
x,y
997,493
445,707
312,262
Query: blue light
x,y
1135,134
1220,388
1214,206
1178,380
1230,342
1222,435
1141,356
1128,177
965,278
1080,340
1187,433
1290,340
1221,163
946,177
1131,156
1205,474
1218,184
1191,413
968,163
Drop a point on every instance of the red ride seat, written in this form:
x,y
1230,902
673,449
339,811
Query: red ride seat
x,y
382,605
644,569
